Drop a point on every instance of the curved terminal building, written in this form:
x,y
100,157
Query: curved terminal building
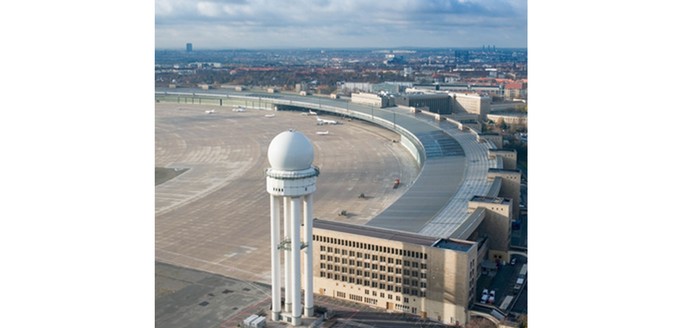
x,y
423,254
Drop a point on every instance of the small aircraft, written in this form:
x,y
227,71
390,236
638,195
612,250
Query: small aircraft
x,y
238,109
270,115
322,133
309,113
210,111
320,121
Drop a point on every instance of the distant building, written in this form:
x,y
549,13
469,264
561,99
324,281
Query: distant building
x,y
371,99
190,47
472,104
515,90
439,103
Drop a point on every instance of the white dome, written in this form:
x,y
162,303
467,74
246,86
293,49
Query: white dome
x,y
290,151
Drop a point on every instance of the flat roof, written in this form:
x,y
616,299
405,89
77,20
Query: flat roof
x,y
492,200
503,150
453,245
375,232
493,169
394,235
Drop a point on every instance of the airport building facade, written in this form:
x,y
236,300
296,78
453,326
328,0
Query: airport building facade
x,y
394,270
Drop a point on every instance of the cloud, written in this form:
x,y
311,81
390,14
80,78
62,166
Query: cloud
x,y
340,23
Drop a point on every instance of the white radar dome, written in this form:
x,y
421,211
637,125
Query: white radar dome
x,y
290,151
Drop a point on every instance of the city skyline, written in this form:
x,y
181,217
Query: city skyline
x,y
263,24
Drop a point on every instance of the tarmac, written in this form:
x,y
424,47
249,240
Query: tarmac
x,y
212,221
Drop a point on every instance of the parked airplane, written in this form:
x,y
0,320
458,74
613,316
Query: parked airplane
x,y
320,121
309,113
210,111
239,109
270,115
322,133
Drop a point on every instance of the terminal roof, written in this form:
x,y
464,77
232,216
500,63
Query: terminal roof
x,y
491,200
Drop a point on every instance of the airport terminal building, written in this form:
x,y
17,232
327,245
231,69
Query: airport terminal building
x,y
393,270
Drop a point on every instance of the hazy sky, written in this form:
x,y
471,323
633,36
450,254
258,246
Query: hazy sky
x,y
220,24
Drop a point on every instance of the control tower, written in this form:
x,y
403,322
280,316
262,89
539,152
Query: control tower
x,y
291,181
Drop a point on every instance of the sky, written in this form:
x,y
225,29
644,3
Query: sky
x,y
261,24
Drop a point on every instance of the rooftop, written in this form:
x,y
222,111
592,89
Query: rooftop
x,y
491,200
394,235
382,233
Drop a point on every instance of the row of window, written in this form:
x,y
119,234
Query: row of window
x,y
415,288
367,257
374,275
367,266
368,246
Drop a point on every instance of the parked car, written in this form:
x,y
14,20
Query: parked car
x,y
513,261
485,295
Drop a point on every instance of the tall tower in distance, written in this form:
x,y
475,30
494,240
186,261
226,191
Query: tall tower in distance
x,y
291,181
190,47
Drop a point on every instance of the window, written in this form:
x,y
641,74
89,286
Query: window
x,y
398,271
351,253
366,291
398,298
322,265
390,260
423,275
382,268
382,277
423,266
323,257
382,295
351,271
390,269
397,280
323,274
423,285
374,257
407,263
344,252
382,286
389,296
344,261
382,259
330,249
375,293
351,262
323,248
